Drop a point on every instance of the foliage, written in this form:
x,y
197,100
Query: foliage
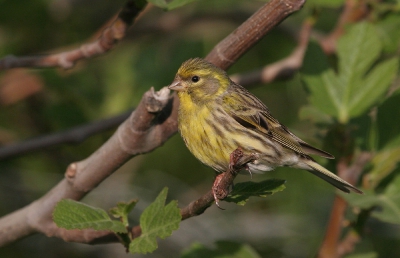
x,y
385,205
243,191
356,87
157,220
71,214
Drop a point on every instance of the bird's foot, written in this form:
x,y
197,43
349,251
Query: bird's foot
x,y
219,191
237,160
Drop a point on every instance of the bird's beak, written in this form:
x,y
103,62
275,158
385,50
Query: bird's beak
x,y
176,85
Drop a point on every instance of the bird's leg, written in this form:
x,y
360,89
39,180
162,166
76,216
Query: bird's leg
x,y
242,161
237,160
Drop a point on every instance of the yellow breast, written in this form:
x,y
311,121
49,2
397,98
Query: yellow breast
x,y
201,137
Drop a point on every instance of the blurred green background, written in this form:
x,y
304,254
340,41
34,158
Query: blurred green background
x,y
291,223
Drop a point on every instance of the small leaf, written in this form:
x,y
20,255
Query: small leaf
x,y
71,214
388,202
243,191
224,249
157,220
122,210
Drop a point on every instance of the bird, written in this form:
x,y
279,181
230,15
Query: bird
x,y
217,116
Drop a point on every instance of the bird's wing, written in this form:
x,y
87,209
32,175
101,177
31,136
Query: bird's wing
x,y
251,113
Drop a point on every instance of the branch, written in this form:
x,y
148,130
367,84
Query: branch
x,y
251,31
74,135
354,11
330,245
148,127
282,69
66,60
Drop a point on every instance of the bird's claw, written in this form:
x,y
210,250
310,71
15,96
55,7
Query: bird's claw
x,y
237,160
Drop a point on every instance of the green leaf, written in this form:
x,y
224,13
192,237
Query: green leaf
x,y
71,214
122,210
356,87
366,96
224,249
385,162
157,220
388,202
243,191
320,80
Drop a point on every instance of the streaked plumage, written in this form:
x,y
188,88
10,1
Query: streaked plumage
x,y
216,116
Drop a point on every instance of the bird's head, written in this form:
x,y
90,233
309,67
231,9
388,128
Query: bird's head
x,y
201,80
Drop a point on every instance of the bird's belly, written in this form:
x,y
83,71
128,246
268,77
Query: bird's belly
x,y
205,144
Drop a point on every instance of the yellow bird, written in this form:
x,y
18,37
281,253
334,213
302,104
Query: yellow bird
x,y
218,116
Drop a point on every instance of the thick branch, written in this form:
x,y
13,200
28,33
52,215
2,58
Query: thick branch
x,y
107,40
148,127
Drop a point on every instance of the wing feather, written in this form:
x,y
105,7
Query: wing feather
x,y
251,113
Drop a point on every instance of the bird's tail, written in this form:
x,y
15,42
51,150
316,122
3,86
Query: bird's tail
x,y
331,178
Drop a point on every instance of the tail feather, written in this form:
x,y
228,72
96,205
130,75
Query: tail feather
x,y
331,178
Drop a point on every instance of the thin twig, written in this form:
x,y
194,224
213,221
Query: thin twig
x,y
74,135
354,11
282,69
110,36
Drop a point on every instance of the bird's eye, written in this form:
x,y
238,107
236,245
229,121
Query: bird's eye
x,y
195,78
